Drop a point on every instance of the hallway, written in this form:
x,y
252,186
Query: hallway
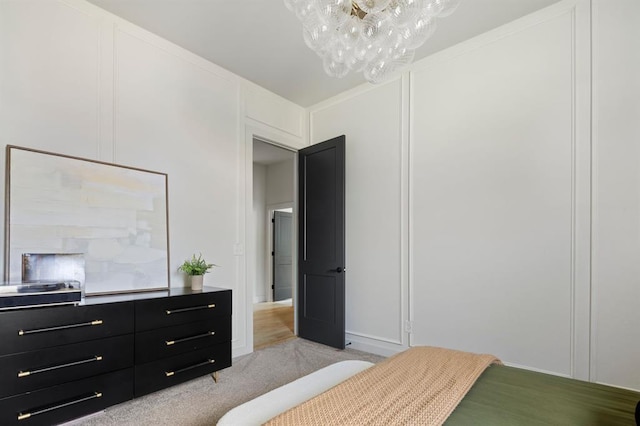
x,y
272,323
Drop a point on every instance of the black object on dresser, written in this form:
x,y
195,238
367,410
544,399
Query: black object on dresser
x,y
63,362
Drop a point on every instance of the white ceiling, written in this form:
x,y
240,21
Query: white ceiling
x,y
266,154
261,40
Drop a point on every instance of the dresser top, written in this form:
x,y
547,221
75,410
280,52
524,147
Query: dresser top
x,y
125,297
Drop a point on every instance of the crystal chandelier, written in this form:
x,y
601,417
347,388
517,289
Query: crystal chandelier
x,y
377,37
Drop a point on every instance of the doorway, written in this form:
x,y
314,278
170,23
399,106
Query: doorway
x,y
273,201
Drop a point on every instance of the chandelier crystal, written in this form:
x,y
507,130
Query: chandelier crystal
x,y
377,37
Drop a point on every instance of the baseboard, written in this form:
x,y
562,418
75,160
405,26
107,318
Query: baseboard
x,y
373,346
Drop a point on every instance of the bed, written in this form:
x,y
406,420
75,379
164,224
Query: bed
x,y
421,386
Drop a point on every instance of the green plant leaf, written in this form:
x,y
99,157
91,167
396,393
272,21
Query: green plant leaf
x,y
196,266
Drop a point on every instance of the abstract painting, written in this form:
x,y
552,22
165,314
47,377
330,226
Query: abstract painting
x,y
116,216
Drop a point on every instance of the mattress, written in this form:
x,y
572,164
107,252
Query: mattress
x,y
501,396
265,407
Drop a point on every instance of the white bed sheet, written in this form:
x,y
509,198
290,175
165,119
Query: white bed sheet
x,y
265,407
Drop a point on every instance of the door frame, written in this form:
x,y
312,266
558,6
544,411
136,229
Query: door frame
x,y
280,140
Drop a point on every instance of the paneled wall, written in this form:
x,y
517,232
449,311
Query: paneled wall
x,y
616,192
494,188
470,221
77,80
507,252
184,118
372,121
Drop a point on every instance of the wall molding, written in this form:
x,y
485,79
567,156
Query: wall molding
x,y
579,280
401,81
581,190
373,337
373,345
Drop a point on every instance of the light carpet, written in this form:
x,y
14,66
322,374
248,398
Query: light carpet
x,y
202,401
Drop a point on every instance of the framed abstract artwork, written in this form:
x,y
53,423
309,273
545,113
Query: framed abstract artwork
x,y
114,216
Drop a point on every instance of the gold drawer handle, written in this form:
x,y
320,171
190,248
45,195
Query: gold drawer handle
x,y
186,339
60,327
56,367
24,416
195,308
200,364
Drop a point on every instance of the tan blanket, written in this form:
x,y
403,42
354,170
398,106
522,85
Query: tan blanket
x,y
420,386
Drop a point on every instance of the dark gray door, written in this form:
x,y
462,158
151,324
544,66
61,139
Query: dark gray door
x,y
321,282
282,264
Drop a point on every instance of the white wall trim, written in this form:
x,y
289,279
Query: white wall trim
x,y
249,226
242,331
273,136
373,345
537,370
257,122
581,191
405,224
595,199
373,337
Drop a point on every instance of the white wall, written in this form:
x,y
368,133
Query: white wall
x,y
280,180
375,150
616,189
493,196
498,196
260,234
77,80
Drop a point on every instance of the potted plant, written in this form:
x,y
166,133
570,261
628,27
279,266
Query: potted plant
x,y
196,267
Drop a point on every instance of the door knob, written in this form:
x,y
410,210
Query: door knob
x,y
340,269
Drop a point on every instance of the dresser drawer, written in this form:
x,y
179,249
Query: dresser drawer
x,y
169,341
33,370
68,401
167,372
156,313
37,328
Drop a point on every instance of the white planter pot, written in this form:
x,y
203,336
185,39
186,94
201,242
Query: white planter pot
x,y
196,282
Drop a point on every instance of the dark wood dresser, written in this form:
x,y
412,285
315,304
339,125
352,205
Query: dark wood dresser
x,y
63,362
